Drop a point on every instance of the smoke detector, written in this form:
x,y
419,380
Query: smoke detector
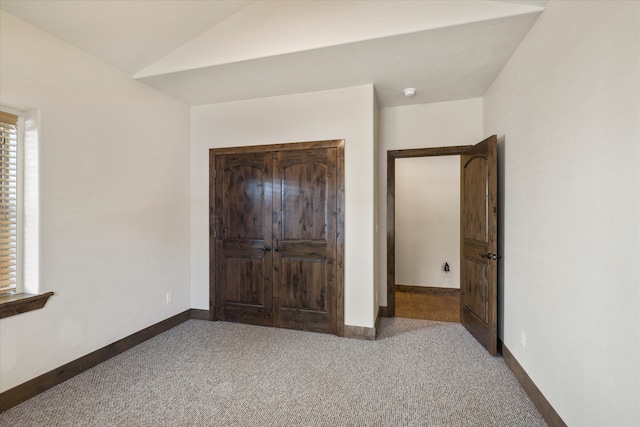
x,y
409,92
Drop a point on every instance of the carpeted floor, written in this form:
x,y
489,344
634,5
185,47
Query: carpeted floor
x,y
418,373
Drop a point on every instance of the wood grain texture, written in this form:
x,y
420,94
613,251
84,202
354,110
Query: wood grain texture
x,y
391,234
305,189
304,229
301,239
305,288
478,237
340,212
475,201
392,155
213,224
427,290
359,332
243,217
428,306
332,143
12,304
27,390
429,152
548,412
475,298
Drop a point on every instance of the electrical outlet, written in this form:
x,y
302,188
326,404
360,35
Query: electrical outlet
x,y
169,297
523,339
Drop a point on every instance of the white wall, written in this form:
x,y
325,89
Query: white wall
x,y
567,110
337,114
428,221
114,204
420,126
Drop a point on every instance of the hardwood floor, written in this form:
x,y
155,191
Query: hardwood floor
x,y
427,304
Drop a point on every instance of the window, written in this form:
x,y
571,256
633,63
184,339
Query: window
x,y
8,202
19,215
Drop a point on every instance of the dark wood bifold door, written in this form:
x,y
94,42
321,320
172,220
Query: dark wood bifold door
x,y
275,234
478,205
305,239
243,235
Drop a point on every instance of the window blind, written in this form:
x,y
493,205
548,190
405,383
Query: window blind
x,y
8,201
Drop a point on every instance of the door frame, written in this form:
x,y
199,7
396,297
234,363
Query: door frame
x,y
338,144
392,155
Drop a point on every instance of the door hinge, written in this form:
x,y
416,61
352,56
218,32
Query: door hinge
x,y
214,173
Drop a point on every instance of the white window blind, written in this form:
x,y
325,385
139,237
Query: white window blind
x,y
8,201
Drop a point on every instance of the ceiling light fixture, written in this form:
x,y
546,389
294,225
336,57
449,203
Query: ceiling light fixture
x,y
409,92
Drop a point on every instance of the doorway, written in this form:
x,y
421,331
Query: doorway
x,y
428,238
478,234
405,298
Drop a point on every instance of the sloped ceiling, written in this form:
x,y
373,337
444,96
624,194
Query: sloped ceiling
x,y
215,51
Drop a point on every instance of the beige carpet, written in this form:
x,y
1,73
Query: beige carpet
x,y
418,373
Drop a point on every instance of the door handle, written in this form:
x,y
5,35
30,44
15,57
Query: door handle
x,y
490,255
267,249
279,249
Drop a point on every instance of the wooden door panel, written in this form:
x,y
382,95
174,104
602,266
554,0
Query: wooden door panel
x,y
475,189
277,235
245,276
304,320
478,234
244,293
475,297
305,195
243,201
304,200
243,261
298,273
313,250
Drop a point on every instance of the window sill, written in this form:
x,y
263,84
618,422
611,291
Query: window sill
x,y
12,303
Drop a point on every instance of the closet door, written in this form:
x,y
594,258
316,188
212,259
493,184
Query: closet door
x,y
304,254
243,212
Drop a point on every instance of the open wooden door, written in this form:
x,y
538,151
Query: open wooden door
x,y
479,241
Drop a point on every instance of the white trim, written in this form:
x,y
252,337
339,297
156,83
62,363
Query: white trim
x,y
28,186
31,202
20,218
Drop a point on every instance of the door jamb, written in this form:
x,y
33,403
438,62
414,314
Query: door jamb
x,y
392,155
340,212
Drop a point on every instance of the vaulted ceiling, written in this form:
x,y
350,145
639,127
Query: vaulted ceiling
x,y
210,51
